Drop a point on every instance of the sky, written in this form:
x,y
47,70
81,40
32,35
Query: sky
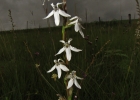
x,y
32,11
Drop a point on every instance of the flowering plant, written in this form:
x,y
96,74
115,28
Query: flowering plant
x,y
70,78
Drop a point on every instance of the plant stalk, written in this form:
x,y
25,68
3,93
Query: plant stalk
x,y
69,91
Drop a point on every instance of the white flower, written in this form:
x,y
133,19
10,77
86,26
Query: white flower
x,y
56,11
78,26
73,79
67,48
58,65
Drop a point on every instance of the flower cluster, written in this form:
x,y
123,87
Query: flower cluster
x,y
60,64
57,12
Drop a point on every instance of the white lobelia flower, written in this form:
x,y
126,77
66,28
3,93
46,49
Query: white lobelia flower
x,y
73,79
59,65
67,48
56,11
78,26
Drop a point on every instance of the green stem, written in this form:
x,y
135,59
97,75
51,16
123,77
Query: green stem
x,y
63,33
69,91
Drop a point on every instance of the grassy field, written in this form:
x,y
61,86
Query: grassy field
x,y
114,75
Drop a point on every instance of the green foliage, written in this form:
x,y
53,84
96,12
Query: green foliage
x,y
107,79
116,53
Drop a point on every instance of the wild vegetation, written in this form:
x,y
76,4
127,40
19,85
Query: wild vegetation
x,y
109,62
114,73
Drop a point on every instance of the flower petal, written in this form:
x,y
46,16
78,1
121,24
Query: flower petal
x,y
60,60
49,15
79,18
61,12
72,22
64,68
81,26
74,49
53,5
61,50
73,72
58,71
62,41
75,17
59,4
77,84
69,40
79,78
69,76
51,69
68,53
55,61
56,17
77,28
82,34
70,83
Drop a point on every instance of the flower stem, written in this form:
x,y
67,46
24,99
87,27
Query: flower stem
x,y
69,91
64,22
63,33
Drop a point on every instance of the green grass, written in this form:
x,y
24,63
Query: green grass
x,y
109,78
